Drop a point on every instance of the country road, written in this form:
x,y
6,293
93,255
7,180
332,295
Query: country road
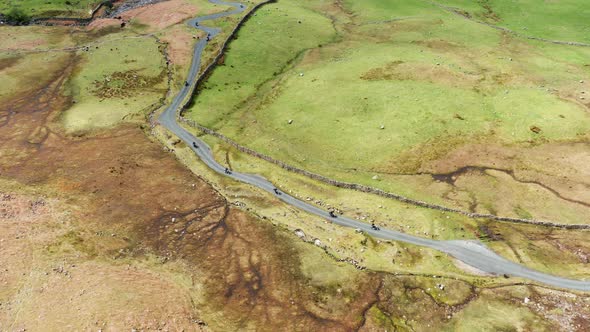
x,y
473,253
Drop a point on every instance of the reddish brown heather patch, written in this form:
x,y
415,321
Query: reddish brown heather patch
x,y
103,23
180,44
163,14
121,181
126,84
22,220
157,16
401,71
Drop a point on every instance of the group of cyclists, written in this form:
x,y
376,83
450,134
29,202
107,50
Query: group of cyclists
x,y
278,193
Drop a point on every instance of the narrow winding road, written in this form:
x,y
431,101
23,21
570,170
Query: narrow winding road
x,y
473,253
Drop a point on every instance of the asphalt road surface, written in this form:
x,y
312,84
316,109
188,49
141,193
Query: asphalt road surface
x,y
473,253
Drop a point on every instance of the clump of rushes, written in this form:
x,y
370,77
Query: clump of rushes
x,y
17,16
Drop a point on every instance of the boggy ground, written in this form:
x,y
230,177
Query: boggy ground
x,y
108,230
121,183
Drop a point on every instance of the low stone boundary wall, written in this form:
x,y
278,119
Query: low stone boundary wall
x,y
371,190
353,186
207,71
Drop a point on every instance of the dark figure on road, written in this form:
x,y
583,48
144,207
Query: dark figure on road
x,y
196,24
195,145
374,227
277,192
333,215
185,83
208,37
227,171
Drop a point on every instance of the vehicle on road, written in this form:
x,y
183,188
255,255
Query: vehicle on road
x,y
277,192
227,171
375,227
481,257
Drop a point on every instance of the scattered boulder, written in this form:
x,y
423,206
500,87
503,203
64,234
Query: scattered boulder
x,y
375,177
535,129
290,121
300,233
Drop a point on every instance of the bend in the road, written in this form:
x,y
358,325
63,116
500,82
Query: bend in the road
x,y
473,253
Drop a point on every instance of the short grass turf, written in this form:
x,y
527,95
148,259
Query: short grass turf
x,y
430,78
270,42
116,78
565,20
50,8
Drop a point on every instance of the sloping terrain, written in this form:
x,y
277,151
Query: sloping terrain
x,y
104,228
390,95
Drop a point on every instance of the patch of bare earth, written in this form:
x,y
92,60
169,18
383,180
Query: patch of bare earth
x,y
180,44
163,14
24,222
125,185
400,71
156,16
101,23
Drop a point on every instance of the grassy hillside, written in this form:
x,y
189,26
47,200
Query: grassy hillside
x,y
397,88
565,20
38,8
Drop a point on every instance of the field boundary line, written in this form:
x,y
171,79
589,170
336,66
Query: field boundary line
x,y
204,75
373,190
458,11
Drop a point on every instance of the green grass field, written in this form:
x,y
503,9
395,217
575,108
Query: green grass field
x,y
117,78
400,86
49,8
565,20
